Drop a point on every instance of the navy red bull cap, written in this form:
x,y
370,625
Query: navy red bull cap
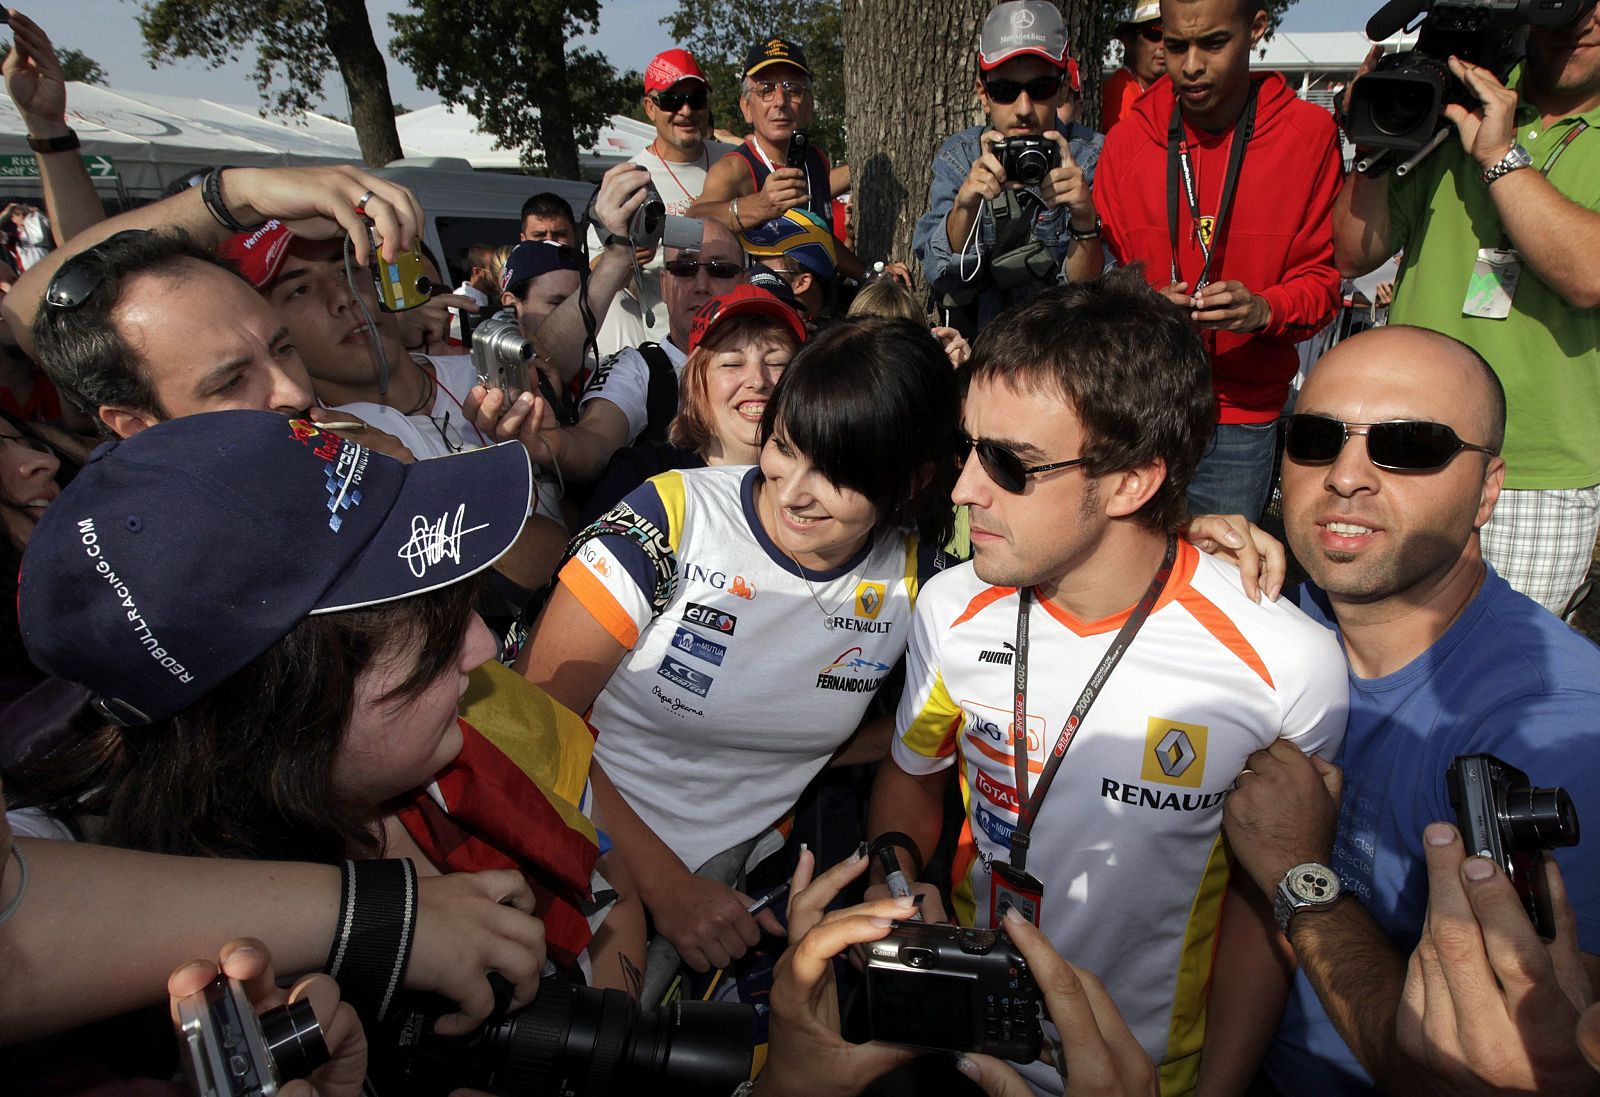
x,y
178,556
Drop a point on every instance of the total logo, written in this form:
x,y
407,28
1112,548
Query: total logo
x,y
736,585
1001,795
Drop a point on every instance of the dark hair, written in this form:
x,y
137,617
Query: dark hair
x,y
13,656
248,770
547,205
874,404
1496,426
81,350
1129,362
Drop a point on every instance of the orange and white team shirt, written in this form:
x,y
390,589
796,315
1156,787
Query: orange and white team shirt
x,y
1128,842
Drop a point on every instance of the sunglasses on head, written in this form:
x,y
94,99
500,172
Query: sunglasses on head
x,y
686,268
80,276
1004,467
1006,91
672,101
1402,445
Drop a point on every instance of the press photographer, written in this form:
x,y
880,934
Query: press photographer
x,y
1010,200
1502,258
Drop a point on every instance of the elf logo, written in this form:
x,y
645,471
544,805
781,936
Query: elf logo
x,y
706,617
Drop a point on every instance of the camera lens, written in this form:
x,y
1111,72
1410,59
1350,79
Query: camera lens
x,y
1540,818
294,1039
1404,108
1032,167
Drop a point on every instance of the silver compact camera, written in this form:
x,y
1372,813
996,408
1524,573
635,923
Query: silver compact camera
x,y
500,355
228,1051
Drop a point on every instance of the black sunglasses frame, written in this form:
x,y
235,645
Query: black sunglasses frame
x,y
672,101
1004,467
80,276
1387,442
688,268
1006,92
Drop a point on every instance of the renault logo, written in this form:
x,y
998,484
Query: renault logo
x,y
1175,753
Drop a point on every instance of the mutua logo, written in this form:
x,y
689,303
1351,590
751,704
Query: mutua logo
x,y
706,617
692,643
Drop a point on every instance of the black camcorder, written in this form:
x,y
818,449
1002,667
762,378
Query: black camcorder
x,y
1501,816
1027,160
1398,106
952,989
572,1041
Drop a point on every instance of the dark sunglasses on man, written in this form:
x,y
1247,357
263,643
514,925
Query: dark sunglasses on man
x,y
673,99
1152,33
716,268
1004,467
1401,445
1005,92
78,278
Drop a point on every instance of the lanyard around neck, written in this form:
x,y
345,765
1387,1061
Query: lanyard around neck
x,y
1029,803
1178,162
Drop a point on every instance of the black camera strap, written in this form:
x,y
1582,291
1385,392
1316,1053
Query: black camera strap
x,y
1029,803
1178,162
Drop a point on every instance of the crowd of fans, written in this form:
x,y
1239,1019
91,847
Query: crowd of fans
x,y
344,656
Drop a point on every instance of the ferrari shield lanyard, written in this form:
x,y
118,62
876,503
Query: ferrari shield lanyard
x,y
1179,163
1013,874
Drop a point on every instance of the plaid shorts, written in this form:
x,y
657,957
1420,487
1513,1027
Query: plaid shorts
x,y
1542,542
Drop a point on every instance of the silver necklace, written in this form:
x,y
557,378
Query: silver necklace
x,y
827,618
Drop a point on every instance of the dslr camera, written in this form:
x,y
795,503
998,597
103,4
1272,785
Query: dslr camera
x,y
228,1051
572,1041
952,989
1504,818
1398,106
1027,160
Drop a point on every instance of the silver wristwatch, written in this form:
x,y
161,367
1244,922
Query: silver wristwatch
x,y
1514,160
1307,886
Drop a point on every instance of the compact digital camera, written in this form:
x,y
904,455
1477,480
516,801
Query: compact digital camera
x,y
500,355
1027,160
953,989
1502,817
228,1051
648,221
403,282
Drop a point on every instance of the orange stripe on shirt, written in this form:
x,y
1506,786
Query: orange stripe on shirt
x,y
1217,623
1182,574
592,594
982,602
1000,756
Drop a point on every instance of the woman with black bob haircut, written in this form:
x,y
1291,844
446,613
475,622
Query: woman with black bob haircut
x,y
726,628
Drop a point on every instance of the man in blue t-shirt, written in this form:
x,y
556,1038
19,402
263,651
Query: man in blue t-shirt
x,y
1391,468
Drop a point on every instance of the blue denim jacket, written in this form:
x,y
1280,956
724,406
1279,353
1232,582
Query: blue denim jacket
x,y
950,167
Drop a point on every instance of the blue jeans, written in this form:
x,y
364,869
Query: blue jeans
x,y
1235,475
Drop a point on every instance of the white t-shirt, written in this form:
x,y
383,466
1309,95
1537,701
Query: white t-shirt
x,y
624,379
638,314
1128,840
734,696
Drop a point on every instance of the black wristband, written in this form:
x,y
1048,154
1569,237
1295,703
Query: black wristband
x,y
211,195
894,839
377,921
55,144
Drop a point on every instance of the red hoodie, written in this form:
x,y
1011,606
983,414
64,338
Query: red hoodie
x,y
1278,240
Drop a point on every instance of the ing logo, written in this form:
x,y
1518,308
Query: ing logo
x,y
1174,753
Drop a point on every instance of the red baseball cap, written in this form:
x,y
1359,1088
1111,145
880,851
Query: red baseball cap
x,y
259,253
670,66
743,301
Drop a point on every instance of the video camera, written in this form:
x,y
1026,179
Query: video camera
x,y
573,1041
1398,107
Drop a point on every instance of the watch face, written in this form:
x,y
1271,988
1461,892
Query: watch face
x,y
1313,884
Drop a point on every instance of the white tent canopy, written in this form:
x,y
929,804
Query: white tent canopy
x,y
444,131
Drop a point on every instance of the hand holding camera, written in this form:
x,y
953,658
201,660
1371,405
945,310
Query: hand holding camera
x,y
1488,1007
624,192
987,176
1067,185
239,1030
784,189
1488,130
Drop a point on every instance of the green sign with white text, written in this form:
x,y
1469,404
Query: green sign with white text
x,y
24,166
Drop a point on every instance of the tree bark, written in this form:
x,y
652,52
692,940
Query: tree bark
x,y
555,114
365,78
909,69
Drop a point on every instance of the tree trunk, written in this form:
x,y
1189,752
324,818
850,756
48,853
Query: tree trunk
x,y
555,114
1090,26
908,70
366,80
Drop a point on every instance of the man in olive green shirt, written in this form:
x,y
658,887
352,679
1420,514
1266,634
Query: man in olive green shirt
x,y
1500,234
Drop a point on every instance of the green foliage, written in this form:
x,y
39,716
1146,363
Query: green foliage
x,y
77,65
506,62
291,53
718,32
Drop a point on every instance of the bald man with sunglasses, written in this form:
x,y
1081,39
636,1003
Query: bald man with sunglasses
x,y
988,240
1391,468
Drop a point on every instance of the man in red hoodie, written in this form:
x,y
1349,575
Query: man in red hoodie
x,y
1222,185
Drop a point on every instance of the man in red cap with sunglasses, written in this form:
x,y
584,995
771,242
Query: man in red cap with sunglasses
x,y
1000,224
1391,468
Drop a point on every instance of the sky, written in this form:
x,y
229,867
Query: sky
x,y
107,31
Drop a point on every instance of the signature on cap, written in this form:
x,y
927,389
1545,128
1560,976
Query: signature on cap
x,y
432,542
